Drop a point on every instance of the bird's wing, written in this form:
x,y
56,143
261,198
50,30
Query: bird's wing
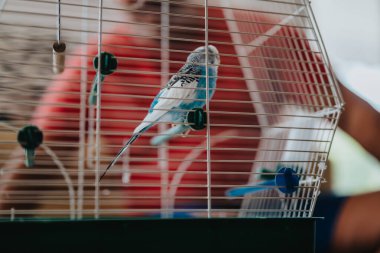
x,y
175,92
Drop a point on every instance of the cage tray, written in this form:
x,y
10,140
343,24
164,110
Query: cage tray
x,y
159,235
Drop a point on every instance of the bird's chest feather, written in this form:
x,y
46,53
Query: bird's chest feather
x,y
197,98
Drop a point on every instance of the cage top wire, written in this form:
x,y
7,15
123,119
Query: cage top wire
x,y
256,147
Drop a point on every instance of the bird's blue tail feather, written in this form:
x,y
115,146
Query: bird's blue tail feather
x,y
126,146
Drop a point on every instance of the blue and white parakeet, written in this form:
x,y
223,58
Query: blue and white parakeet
x,y
185,91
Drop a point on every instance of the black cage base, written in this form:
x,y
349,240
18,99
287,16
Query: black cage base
x,y
160,235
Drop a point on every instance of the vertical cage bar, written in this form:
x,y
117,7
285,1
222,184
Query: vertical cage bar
x,y
163,154
82,116
59,21
208,139
98,113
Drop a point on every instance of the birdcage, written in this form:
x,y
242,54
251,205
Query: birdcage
x,y
77,77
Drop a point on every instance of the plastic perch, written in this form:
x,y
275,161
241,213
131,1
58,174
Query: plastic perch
x,y
30,137
108,64
59,49
286,181
196,119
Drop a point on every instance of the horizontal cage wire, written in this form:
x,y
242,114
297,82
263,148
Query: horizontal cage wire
x,y
227,109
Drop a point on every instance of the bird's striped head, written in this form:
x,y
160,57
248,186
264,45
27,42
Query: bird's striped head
x,y
199,55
